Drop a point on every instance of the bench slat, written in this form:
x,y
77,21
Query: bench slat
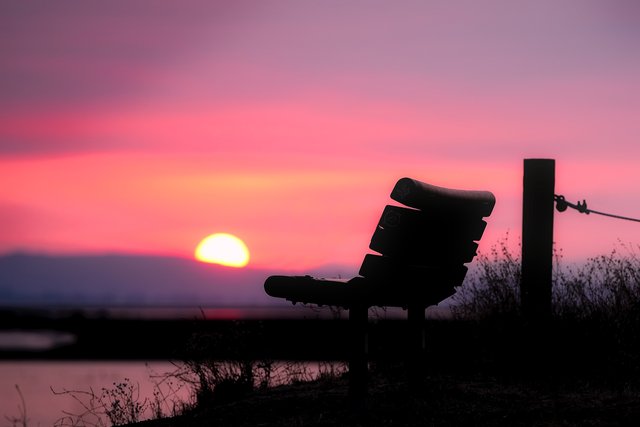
x,y
420,195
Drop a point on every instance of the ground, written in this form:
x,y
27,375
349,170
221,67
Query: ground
x,y
444,400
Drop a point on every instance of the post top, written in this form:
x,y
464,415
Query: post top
x,y
539,160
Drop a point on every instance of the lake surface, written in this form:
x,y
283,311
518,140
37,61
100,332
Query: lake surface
x,y
54,390
36,380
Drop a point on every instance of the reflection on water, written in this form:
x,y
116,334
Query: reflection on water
x,y
53,390
34,340
36,380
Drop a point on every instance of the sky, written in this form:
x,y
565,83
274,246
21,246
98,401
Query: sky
x,y
140,127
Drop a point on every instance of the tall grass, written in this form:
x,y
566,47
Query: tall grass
x,y
492,288
215,381
195,382
594,323
121,404
606,287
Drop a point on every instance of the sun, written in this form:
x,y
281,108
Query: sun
x,y
224,249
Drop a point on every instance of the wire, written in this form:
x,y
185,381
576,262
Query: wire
x,y
562,204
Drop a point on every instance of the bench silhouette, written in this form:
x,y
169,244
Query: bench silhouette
x,y
422,248
422,251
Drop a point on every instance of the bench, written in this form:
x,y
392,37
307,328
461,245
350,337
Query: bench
x,y
422,248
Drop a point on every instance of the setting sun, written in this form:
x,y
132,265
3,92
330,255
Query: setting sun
x,y
224,249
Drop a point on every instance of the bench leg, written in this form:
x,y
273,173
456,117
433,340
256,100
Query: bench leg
x,y
416,347
358,366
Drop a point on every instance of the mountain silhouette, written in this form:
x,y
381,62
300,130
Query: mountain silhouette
x,y
27,279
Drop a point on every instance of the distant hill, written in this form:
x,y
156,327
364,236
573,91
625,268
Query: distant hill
x,y
132,280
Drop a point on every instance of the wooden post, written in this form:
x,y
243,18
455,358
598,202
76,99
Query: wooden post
x,y
358,364
537,237
416,346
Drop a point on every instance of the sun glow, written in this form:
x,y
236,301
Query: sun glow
x,y
224,249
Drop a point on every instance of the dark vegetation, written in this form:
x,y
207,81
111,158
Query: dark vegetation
x,y
487,366
591,334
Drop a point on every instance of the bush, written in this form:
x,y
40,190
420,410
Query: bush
x,y
594,320
492,288
120,405
604,288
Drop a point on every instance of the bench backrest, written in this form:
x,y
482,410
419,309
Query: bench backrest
x,y
422,248
421,252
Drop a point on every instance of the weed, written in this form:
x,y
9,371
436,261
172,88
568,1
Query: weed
x,y
594,319
91,414
121,404
21,420
168,395
330,371
606,288
492,290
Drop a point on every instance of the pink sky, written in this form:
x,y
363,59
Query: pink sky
x,y
144,126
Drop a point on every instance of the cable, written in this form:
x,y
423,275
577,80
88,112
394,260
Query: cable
x,y
562,204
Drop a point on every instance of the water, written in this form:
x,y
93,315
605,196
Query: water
x,y
44,408
57,393
36,379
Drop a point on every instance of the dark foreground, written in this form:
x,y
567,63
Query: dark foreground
x,y
445,400
501,373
